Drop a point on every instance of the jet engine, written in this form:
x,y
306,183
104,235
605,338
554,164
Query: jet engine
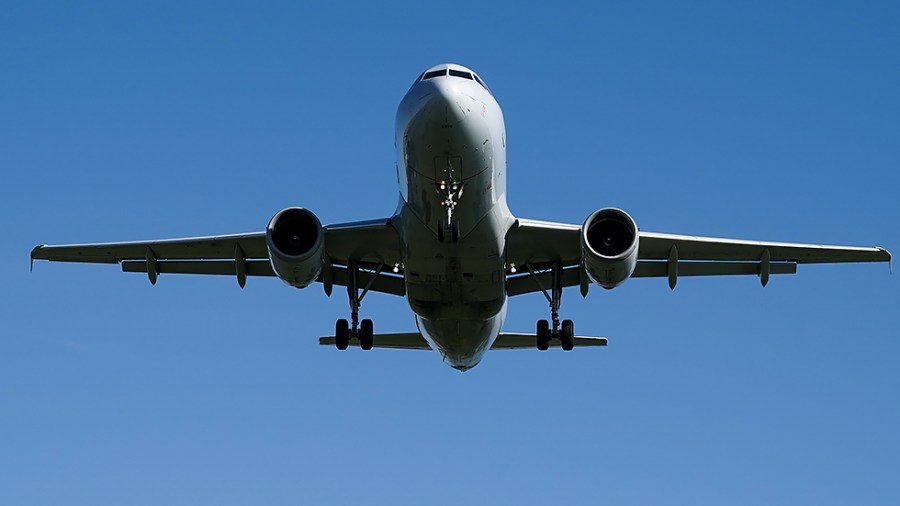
x,y
609,246
296,243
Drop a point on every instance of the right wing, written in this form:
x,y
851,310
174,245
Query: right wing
x,y
655,246
541,244
369,244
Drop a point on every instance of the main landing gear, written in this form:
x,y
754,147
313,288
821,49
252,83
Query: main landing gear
x,y
362,330
565,332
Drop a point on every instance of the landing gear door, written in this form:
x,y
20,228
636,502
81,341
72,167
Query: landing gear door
x,y
448,168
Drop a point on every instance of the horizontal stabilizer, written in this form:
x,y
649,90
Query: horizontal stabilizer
x,y
505,341
513,341
399,341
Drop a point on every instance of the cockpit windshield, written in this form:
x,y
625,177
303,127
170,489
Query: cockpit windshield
x,y
464,74
479,81
460,73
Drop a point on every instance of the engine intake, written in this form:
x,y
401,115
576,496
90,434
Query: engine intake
x,y
609,246
296,243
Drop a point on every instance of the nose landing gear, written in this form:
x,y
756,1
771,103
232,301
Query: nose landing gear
x,y
451,227
449,192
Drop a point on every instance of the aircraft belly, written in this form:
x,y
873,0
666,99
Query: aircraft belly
x,y
457,290
455,280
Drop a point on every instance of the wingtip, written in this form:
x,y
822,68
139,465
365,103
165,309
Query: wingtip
x,y
32,256
889,259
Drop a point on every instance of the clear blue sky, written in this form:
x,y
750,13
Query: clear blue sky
x,y
142,120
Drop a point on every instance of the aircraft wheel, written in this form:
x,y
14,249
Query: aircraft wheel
x,y
567,335
543,335
440,231
454,230
366,335
342,334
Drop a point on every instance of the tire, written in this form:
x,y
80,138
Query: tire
x,y
341,334
440,231
543,335
366,335
454,230
567,335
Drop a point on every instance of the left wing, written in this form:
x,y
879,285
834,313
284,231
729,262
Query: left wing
x,y
539,244
368,243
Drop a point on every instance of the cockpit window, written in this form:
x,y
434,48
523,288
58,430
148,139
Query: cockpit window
x,y
460,73
433,74
479,81
452,72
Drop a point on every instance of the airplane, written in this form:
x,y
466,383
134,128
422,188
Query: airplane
x,y
452,247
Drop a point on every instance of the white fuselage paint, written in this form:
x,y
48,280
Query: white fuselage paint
x,y
450,129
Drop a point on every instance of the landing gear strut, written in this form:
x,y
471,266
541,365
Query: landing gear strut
x,y
362,330
565,332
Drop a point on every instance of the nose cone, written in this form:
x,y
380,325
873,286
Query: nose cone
x,y
444,102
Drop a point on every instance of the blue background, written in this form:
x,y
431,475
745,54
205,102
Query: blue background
x,y
144,120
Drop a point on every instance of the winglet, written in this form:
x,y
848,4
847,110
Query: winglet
x,y
890,259
33,251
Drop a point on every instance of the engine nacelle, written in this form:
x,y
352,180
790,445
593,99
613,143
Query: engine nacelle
x,y
296,243
609,246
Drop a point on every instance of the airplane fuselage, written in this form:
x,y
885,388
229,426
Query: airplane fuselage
x,y
452,215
